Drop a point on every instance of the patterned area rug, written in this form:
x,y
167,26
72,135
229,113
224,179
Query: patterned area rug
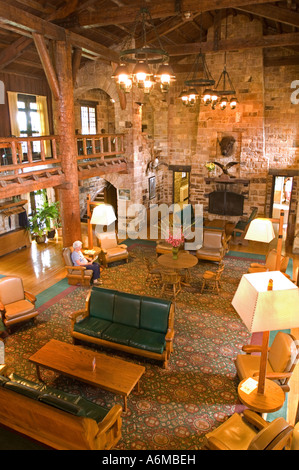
x,y
176,407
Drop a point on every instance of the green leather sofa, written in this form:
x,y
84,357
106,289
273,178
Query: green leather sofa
x,y
136,324
58,419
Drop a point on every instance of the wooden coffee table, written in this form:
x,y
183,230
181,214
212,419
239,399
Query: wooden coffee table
x,y
109,373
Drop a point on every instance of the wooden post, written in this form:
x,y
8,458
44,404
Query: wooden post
x,y
264,355
279,242
64,122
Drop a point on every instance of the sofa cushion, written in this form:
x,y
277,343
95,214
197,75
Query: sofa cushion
x,y
102,303
148,340
154,314
19,308
127,309
92,326
3,380
119,333
23,389
62,404
92,410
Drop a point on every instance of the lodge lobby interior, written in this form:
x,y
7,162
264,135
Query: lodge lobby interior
x,y
71,136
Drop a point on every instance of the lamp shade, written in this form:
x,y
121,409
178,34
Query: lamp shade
x,y
103,214
267,310
260,230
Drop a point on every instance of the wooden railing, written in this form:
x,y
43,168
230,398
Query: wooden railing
x,y
18,154
38,158
100,146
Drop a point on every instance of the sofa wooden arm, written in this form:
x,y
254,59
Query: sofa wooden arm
x,y
2,308
251,348
255,419
275,375
30,297
215,444
110,418
169,335
74,315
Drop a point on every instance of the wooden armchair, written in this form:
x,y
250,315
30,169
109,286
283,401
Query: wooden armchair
x,y
111,251
213,276
171,282
282,358
16,304
270,264
249,431
75,274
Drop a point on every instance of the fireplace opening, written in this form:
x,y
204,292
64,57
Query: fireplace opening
x,y
226,203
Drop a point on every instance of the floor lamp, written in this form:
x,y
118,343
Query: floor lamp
x,y
265,302
102,214
261,230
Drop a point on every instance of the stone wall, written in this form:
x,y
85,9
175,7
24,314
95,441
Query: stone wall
x,y
263,125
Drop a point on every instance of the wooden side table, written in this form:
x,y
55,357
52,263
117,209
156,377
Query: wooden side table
x,y
272,400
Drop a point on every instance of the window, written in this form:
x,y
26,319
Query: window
x,y
88,119
28,120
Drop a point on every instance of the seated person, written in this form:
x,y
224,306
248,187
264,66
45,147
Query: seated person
x,y
79,259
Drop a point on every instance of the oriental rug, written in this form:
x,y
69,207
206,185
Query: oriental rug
x,y
175,407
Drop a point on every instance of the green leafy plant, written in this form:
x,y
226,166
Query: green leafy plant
x,y
50,214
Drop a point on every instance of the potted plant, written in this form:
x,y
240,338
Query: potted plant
x,y
50,214
37,227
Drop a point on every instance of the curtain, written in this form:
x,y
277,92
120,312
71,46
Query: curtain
x,y
42,109
13,113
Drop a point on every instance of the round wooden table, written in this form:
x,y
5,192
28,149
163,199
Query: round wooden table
x,y
184,261
272,400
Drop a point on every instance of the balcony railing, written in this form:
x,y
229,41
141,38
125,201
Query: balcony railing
x,y
22,158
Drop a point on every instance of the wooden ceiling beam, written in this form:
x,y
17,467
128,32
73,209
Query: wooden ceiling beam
x,y
158,9
27,24
272,12
12,52
49,70
235,44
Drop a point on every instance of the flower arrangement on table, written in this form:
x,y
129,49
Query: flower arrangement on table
x,y
175,242
210,166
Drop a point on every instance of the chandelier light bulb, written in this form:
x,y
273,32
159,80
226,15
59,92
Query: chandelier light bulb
x,y
207,97
223,103
233,103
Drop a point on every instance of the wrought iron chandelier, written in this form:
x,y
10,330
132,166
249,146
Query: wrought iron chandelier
x,y
145,60
190,95
224,92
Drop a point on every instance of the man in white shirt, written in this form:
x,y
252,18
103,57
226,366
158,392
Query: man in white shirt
x,y
79,259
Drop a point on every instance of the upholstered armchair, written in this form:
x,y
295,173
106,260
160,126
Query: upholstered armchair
x,y
75,274
111,251
213,247
249,431
16,304
282,358
270,264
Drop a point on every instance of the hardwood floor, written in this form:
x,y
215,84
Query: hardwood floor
x,y
41,266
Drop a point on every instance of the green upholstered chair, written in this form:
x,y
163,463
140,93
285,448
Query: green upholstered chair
x,y
241,228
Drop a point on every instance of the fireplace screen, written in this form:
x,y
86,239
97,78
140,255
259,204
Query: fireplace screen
x,y
226,203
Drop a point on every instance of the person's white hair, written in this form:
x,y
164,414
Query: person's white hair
x,y
77,244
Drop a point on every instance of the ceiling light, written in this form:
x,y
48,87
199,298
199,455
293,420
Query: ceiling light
x,y
145,59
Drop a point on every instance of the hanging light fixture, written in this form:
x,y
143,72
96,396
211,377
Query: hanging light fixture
x,y
145,60
196,81
224,88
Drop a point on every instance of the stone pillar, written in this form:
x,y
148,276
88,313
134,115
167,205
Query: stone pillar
x,y
64,124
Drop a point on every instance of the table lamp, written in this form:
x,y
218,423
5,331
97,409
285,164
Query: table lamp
x,y
267,301
102,214
261,230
